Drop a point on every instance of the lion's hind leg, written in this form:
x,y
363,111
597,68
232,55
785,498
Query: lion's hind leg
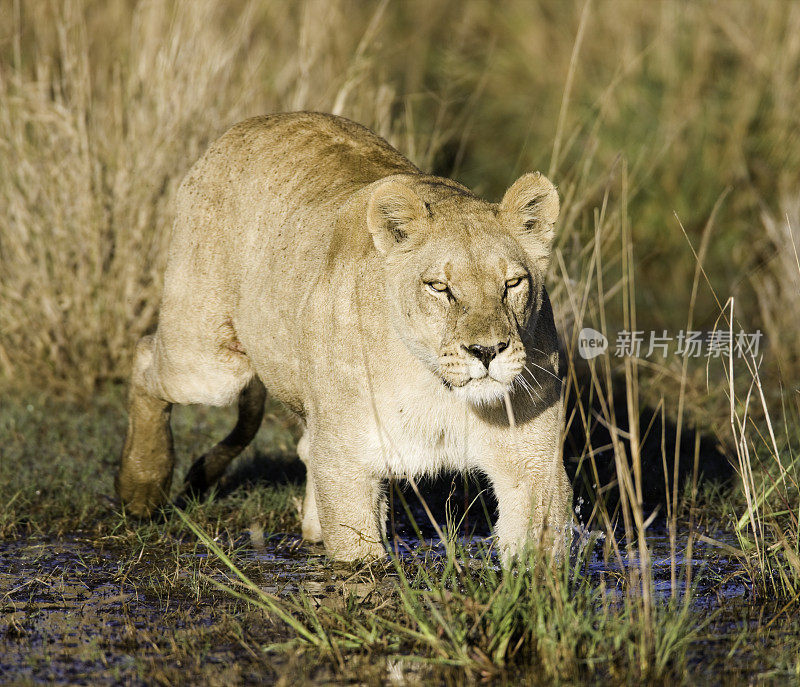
x,y
185,362
145,471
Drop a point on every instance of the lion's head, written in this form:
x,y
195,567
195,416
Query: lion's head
x,y
465,277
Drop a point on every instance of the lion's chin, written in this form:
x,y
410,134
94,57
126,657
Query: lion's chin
x,y
482,392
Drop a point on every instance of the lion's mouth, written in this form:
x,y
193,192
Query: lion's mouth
x,y
483,390
477,383
473,378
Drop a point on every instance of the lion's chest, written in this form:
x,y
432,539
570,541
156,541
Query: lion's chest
x,y
421,436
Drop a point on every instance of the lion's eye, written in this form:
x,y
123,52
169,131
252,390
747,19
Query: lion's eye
x,y
438,286
516,281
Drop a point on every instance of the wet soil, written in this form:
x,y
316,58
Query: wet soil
x,y
71,613
77,611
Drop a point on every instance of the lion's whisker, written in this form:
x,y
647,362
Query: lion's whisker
x,y
527,388
543,369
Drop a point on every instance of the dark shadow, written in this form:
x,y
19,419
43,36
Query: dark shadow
x,y
658,439
465,500
273,468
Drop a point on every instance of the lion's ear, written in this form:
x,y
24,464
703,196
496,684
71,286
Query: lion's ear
x,y
392,210
531,206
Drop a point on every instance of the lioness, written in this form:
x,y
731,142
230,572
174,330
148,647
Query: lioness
x,y
402,318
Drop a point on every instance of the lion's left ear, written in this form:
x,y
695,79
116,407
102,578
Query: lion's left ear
x,y
531,209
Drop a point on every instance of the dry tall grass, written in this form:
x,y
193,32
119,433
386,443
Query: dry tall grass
x,y
778,285
104,106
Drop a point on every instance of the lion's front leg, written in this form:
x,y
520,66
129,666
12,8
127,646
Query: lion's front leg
x,y
311,529
530,516
533,493
350,503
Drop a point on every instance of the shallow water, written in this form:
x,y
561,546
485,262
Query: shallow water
x,y
712,575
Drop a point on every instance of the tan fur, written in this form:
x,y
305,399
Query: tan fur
x,y
379,304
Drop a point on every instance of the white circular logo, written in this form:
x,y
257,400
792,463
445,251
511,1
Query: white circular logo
x,y
591,343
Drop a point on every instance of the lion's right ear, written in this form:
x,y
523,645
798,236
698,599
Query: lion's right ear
x,y
392,211
531,206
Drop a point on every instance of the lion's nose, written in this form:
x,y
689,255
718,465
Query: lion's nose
x,y
486,353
